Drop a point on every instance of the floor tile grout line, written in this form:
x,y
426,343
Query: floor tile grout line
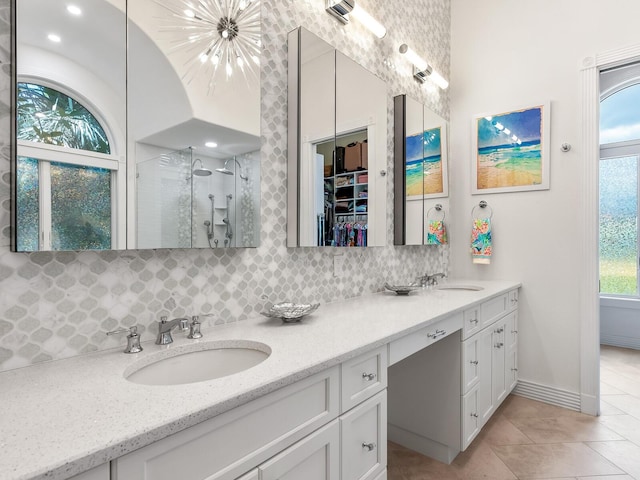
x,y
607,460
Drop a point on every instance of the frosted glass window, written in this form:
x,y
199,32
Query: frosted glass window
x,y
27,205
619,225
619,119
80,207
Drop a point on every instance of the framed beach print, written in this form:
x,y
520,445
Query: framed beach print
x,y
426,162
511,150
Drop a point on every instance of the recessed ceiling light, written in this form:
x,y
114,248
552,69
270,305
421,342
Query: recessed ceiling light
x,y
211,144
74,10
54,38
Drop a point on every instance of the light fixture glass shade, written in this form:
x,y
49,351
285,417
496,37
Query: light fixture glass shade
x,y
422,67
368,21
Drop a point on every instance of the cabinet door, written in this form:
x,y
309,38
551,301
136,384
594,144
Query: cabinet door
x,y
470,417
485,364
511,331
498,363
511,371
364,439
470,362
316,457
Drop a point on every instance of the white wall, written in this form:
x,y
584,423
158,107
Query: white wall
x,y
507,54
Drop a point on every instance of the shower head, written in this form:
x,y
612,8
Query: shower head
x,y
199,172
225,170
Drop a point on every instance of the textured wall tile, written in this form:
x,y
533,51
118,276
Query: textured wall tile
x,y
56,305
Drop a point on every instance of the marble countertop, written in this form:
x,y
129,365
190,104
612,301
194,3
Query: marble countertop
x,y
64,417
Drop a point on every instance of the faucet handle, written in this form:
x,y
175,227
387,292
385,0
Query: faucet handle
x,y
133,339
163,319
194,330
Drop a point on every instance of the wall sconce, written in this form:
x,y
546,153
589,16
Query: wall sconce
x,y
342,8
421,69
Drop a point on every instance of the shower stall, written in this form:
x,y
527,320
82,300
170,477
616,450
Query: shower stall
x,y
188,200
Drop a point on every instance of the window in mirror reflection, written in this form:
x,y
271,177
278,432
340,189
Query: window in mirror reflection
x,y
64,179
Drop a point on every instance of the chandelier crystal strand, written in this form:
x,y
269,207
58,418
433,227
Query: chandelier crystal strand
x,y
219,37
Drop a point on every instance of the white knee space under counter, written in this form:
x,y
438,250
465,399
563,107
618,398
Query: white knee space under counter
x,y
82,417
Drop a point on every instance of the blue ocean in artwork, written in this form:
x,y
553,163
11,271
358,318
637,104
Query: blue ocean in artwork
x,y
510,149
424,159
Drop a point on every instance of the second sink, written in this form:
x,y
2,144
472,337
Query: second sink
x,y
197,363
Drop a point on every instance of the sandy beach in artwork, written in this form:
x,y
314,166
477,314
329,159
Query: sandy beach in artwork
x,y
492,176
431,179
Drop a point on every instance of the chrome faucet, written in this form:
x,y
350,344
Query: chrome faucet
x,y
166,326
433,279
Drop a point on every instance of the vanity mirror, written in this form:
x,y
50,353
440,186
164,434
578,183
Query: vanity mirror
x,y
337,148
420,167
137,124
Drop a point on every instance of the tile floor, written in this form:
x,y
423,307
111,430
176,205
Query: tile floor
x,y
526,439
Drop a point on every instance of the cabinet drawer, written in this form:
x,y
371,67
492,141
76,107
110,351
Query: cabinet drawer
x,y
470,417
513,299
471,323
364,439
232,443
416,341
470,362
363,377
316,457
98,473
493,309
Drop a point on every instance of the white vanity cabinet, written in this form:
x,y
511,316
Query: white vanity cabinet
x,y
330,426
477,365
489,361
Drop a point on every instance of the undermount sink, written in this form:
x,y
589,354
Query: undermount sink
x,y
197,362
470,288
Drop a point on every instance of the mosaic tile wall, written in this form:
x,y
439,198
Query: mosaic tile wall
x,y
56,305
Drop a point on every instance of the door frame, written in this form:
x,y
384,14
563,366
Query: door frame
x,y
590,68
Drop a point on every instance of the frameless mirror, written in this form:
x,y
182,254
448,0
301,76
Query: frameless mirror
x,y
337,148
138,124
420,167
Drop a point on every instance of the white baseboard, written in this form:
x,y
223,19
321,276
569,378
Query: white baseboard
x,y
619,341
546,394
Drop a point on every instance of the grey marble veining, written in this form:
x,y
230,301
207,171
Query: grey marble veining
x,y
58,305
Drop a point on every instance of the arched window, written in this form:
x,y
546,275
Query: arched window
x,y
65,173
619,183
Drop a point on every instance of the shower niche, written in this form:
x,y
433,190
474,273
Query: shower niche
x,y
187,200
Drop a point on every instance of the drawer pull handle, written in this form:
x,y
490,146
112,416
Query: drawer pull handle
x,y
369,376
473,362
438,333
514,331
514,369
474,321
474,415
499,345
369,446
500,330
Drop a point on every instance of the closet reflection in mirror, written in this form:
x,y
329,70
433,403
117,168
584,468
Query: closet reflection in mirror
x,y
116,112
337,135
421,173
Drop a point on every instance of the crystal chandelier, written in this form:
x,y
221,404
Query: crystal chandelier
x,y
221,36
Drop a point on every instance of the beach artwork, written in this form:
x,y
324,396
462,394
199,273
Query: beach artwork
x,y
511,151
424,164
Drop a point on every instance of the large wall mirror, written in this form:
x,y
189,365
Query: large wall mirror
x,y
337,148
137,124
420,169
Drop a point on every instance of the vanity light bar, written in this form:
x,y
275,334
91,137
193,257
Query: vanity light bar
x,y
342,8
421,68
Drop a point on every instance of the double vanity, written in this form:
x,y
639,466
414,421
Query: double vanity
x,y
426,370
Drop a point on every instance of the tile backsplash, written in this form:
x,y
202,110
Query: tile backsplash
x,y
56,305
